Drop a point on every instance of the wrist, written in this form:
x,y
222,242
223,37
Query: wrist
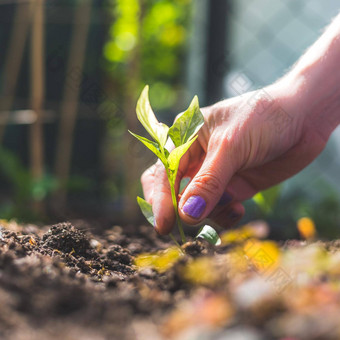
x,y
318,78
288,103
318,99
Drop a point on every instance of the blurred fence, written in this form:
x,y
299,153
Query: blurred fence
x,y
50,124
235,46
70,75
264,39
267,38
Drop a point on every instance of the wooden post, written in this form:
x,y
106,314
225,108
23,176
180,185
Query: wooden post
x,y
132,165
69,104
13,60
37,94
217,52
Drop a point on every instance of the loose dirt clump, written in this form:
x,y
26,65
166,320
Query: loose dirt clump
x,y
198,248
118,254
66,238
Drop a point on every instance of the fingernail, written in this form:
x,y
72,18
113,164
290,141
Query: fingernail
x,y
234,216
225,199
194,206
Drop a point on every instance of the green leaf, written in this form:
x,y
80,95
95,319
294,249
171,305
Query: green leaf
x,y
158,131
146,209
266,199
209,234
176,154
187,125
154,147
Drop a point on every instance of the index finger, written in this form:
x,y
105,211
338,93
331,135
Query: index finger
x,y
147,180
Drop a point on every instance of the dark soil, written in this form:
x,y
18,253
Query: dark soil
x,y
65,282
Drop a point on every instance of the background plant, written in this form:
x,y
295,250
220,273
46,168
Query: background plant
x,y
148,43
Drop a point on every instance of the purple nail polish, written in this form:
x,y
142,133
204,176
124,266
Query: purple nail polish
x,y
194,206
225,199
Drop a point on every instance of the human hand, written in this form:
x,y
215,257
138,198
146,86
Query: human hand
x,y
254,141
247,144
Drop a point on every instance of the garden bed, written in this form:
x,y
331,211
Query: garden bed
x,y
71,282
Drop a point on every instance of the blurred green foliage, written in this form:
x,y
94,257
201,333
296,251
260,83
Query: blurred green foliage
x,y
25,190
156,33
266,199
320,202
147,44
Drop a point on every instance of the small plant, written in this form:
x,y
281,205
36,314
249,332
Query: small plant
x,y
183,133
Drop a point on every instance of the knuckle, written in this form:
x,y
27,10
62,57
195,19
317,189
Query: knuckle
x,y
209,182
147,173
220,140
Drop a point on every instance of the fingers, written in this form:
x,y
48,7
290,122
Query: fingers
x,y
162,205
157,189
201,195
157,192
227,215
147,181
162,202
206,188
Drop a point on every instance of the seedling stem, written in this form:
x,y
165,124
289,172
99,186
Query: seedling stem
x,y
175,204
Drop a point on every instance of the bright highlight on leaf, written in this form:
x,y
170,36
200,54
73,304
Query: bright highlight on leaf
x,y
176,154
209,234
306,228
158,131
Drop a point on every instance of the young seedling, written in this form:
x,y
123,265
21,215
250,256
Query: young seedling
x,y
183,133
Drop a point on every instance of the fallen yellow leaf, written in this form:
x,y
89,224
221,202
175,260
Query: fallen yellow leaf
x,y
306,228
160,261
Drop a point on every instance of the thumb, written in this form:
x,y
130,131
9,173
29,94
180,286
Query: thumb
x,y
206,188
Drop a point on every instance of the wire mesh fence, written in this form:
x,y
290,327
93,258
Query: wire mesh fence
x,y
267,38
